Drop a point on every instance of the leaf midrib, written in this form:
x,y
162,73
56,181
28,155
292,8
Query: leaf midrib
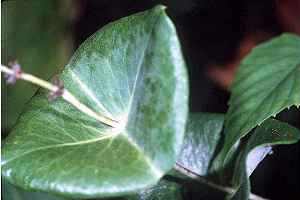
x,y
139,68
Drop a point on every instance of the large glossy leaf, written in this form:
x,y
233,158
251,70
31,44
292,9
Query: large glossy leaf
x,y
10,192
164,190
271,132
203,134
131,70
38,48
267,81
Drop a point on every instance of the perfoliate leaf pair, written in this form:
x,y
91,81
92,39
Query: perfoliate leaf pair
x,y
131,71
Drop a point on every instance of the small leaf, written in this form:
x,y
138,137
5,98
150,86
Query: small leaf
x,y
203,134
271,132
202,141
267,82
132,71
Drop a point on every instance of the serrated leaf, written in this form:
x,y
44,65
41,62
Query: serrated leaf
x,y
131,70
203,134
267,82
271,132
38,49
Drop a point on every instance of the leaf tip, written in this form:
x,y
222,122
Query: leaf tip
x,y
160,7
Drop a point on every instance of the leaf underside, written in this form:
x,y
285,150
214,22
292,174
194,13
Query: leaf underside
x,y
271,132
132,71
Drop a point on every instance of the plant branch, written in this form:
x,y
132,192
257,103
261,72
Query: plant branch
x,y
66,95
200,178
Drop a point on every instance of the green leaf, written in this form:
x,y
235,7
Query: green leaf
x,y
38,48
271,132
10,192
203,134
131,70
202,141
164,190
267,82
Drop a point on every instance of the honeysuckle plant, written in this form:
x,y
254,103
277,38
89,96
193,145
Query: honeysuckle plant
x,y
116,120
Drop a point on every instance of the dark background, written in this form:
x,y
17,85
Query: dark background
x,y
215,35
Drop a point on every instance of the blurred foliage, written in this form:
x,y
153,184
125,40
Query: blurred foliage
x,y
34,33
